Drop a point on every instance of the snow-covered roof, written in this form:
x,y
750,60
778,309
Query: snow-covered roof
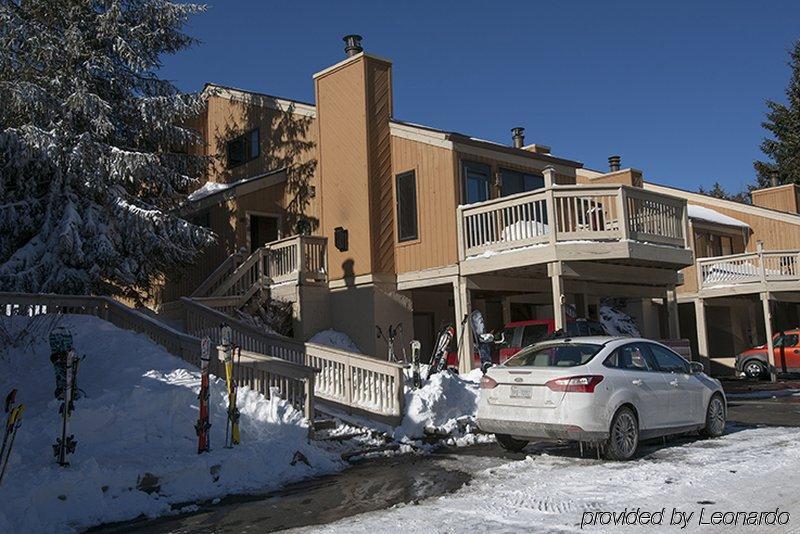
x,y
209,188
707,214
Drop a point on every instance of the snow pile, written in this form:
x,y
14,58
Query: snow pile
x,y
617,322
524,230
137,418
208,189
444,406
335,340
709,215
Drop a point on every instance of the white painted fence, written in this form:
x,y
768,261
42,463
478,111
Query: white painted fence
x,y
748,268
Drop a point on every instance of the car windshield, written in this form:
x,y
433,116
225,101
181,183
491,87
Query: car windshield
x,y
560,355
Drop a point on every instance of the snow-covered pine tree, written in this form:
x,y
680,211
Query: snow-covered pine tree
x,y
783,123
93,151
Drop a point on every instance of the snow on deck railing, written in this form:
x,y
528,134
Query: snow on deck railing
x,y
748,268
353,382
571,213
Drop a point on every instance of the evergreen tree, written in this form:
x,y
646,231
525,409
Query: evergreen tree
x,y
783,123
717,191
93,157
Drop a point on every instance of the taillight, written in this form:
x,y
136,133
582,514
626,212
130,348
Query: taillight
x,y
575,384
488,383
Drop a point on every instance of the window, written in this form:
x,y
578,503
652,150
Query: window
x,y
561,355
243,148
669,362
787,340
631,357
708,244
477,178
519,182
406,184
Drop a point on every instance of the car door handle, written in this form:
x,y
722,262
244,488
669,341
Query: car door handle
x,y
636,382
674,383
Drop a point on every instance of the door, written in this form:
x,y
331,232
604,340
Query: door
x,y
685,389
787,352
639,376
263,229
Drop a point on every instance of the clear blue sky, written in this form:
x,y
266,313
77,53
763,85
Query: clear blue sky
x,y
676,88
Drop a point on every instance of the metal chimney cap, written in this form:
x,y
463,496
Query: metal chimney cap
x,y
773,178
614,163
352,44
518,136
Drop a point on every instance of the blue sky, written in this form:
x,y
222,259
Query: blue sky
x,y
676,88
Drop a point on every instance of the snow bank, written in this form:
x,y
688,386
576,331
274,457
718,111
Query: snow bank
x,y
617,322
444,406
137,417
336,340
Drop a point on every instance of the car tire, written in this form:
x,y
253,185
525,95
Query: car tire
x,y
623,436
754,369
715,418
509,443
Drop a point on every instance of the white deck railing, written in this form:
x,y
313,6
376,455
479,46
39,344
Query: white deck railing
x,y
748,268
570,213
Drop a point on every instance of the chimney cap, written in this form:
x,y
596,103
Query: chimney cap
x,y
518,136
352,44
614,163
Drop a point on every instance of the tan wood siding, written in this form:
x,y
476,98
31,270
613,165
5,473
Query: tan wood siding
x,y
782,198
434,169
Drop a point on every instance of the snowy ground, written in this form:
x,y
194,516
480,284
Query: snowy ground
x,y
137,417
753,469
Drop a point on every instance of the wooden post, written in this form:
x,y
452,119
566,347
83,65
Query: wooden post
x,y
768,329
559,300
549,173
462,306
672,312
309,404
506,301
702,332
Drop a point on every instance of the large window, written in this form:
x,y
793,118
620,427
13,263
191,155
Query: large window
x,y
477,178
518,182
407,206
708,244
243,148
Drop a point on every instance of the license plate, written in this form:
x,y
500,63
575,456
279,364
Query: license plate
x,y
521,392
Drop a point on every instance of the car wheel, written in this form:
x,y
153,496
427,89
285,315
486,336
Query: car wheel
x,y
755,369
623,439
509,443
715,418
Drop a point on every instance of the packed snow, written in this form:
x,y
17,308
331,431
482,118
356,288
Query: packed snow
x,y
335,340
136,423
553,490
709,215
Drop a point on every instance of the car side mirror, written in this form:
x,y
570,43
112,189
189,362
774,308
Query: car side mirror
x,y
696,367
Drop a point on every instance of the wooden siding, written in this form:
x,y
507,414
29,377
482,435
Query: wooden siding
x,y
782,198
630,177
379,111
434,169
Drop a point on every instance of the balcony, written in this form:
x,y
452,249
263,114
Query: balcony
x,y
574,223
752,272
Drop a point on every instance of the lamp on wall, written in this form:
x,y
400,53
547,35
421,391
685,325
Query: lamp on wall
x,y
341,239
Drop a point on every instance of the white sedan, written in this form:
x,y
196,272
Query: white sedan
x,y
608,391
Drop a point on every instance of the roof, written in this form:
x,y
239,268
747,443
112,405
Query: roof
x,y
707,214
261,99
464,139
215,192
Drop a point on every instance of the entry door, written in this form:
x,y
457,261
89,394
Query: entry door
x,y
263,229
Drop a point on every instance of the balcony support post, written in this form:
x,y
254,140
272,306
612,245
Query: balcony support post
x,y
549,174
559,299
765,303
671,302
462,306
702,332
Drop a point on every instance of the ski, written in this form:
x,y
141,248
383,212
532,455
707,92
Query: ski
x,y
415,349
228,352
66,444
203,426
439,357
13,423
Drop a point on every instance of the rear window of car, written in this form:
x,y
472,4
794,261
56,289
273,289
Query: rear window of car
x,y
561,355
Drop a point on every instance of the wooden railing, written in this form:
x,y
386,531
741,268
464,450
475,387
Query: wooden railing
x,y
352,382
748,268
572,213
293,380
219,275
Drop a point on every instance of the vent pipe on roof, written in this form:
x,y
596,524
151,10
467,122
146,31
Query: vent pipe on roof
x,y
518,136
614,163
773,178
352,45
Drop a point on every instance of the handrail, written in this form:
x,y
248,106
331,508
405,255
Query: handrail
x,y
225,268
758,267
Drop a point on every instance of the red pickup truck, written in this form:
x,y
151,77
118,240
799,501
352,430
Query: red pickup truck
x,y
753,363
520,334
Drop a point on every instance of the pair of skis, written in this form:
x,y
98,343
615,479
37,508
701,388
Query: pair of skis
x,y
438,361
66,443
203,425
229,352
13,422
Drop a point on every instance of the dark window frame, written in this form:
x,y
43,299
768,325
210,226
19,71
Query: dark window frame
x,y
478,167
404,237
522,175
248,154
